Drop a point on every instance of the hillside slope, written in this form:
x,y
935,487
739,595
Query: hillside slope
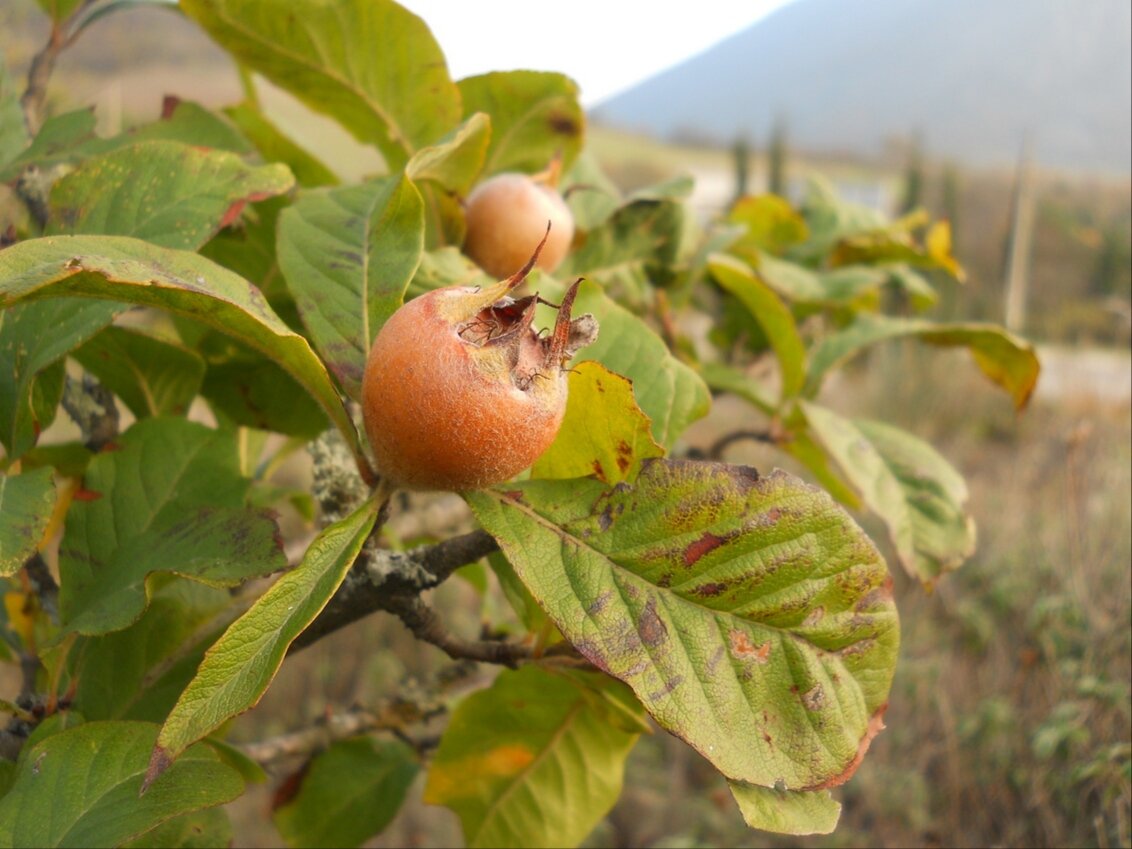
x,y
972,77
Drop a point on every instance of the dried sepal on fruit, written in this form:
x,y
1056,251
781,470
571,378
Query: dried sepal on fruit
x,y
461,392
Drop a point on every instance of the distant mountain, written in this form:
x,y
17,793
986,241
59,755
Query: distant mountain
x,y
972,77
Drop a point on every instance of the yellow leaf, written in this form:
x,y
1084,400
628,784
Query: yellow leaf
x,y
21,609
604,432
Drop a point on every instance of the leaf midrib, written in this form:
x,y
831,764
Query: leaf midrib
x,y
169,486
523,119
557,529
348,539
493,809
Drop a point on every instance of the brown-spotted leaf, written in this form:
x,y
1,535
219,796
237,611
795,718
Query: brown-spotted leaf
x,y
750,615
168,193
604,433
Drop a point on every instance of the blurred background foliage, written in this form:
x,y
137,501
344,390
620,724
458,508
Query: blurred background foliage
x,y
1010,714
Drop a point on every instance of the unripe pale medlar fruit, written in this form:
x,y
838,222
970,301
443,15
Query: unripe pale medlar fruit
x,y
506,214
461,392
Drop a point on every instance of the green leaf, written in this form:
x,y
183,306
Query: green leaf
x,y
446,267
7,776
671,394
348,255
108,7
624,251
920,292
1006,359
26,504
51,725
245,388
348,793
69,459
205,829
831,218
80,788
53,143
518,596
858,286
70,137
590,194
33,338
769,222
854,286
171,194
274,146
786,811
235,757
802,447
131,270
790,280
373,66
535,116
181,121
529,761
725,378
59,10
894,244
603,433
677,188
170,499
901,478
248,248
772,315
152,376
240,665
750,615
456,160
138,672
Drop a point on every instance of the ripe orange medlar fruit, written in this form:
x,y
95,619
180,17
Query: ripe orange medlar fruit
x,y
505,214
461,392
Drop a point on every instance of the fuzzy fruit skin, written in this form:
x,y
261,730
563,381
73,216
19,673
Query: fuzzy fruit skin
x,y
506,216
442,414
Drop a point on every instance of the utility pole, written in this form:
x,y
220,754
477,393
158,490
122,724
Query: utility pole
x,y
1018,246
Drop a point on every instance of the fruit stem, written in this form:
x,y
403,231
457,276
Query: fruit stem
x,y
382,493
550,175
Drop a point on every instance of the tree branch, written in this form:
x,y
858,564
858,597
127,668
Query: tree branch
x,y
426,625
43,64
417,704
383,580
39,72
331,728
393,581
91,406
43,585
716,449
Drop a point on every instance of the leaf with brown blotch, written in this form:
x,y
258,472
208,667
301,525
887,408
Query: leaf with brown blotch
x,y
750,615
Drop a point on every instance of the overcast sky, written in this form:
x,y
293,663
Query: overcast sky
x,y
606,46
